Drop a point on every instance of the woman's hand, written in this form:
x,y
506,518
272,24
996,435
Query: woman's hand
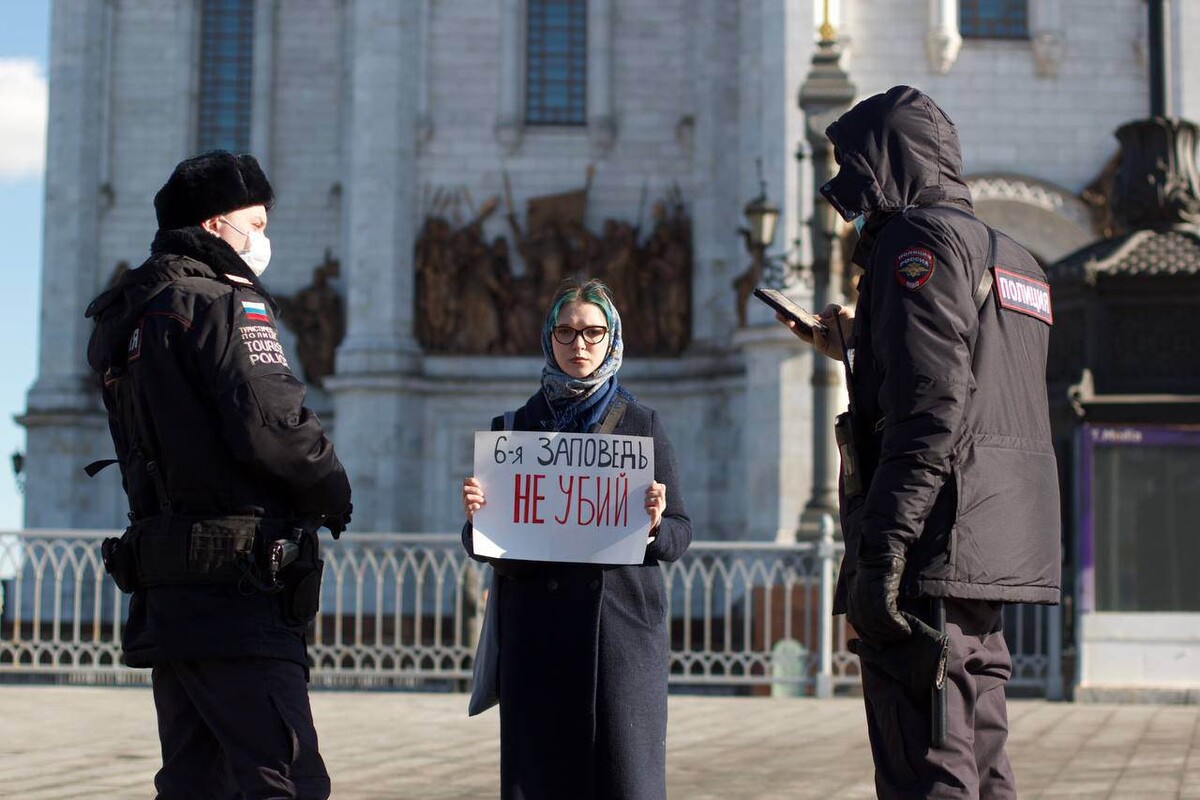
x,y
826,342
656,504
472,497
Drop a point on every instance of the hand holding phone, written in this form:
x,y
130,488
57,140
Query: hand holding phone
x,y
815,330
783,305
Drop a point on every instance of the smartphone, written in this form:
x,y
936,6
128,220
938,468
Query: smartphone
x,y
780,302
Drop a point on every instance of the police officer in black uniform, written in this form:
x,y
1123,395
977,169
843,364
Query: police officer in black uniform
x,y
228,476
950,504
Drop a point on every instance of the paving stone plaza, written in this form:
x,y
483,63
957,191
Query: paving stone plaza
x,y
83,742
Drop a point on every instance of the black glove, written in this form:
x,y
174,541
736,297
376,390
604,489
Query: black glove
x,y
918,662
874,593
336,523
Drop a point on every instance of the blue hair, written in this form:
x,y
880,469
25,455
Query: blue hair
x,y
573,290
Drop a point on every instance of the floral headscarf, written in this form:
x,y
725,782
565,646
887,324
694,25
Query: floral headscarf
x,y
578,402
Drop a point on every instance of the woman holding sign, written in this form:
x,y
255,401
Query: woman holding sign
x,y
584,647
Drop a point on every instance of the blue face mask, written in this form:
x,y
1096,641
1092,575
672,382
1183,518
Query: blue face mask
x,y
858,223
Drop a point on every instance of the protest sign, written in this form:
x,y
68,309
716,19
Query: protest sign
x,y
577,497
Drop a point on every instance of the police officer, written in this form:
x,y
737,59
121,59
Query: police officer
x,y
228,476
952,508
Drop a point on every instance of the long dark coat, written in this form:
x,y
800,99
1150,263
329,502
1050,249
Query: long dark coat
x,y
233,436
584,655
965,480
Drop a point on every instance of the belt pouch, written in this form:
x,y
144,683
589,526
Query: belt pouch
x,y
302,582
184,549
220,549
120,561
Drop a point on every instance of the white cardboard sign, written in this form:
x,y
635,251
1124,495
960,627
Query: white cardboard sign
x,y
577,497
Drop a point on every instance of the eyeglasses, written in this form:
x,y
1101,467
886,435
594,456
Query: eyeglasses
x,y
593,334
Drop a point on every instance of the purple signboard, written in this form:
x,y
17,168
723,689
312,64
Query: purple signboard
x,y
1091,440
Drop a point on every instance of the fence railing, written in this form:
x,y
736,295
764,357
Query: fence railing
x,y
404,609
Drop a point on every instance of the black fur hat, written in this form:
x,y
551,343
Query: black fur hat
x,y
209,184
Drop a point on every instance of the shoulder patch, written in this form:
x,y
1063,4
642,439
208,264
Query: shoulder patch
x,y
256,312
134,351
914,266
1025,295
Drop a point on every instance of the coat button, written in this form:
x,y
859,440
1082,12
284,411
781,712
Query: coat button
x,y
552,585
595,584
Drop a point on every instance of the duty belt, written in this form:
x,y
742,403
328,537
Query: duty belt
x,y
182,549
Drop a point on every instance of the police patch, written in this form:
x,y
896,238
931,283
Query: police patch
x,y
1024,295
255,311
134,351
914,267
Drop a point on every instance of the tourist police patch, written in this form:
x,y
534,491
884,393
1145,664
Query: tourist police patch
x,y
914,266
1023,294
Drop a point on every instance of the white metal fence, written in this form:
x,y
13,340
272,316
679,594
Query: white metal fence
x,y
403,609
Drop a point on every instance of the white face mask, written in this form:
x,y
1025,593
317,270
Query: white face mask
x,y
257,252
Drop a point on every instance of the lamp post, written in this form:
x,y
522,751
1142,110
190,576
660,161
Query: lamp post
x,y
824,96
761,218
18,468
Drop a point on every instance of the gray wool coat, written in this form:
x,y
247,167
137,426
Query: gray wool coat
x,y
584,655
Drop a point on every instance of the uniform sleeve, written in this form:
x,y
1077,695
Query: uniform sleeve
x,y
923,320
675,531
260,404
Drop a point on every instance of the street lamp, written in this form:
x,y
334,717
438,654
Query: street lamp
x,y
761,217
18,468
825,95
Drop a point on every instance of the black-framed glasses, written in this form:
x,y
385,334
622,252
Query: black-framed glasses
x,y
593,334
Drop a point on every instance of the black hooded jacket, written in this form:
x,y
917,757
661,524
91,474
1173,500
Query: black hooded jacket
x,y
194,330
962,473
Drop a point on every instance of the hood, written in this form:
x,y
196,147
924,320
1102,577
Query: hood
x,y
175,254
895,150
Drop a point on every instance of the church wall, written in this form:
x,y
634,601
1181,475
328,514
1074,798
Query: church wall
x,y
701,88
675,100
1009,119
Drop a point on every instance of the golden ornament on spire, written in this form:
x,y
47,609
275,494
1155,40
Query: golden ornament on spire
x,y
827,31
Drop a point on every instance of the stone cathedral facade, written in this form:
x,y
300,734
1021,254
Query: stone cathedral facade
x,y
438,163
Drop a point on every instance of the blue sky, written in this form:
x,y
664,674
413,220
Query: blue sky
x,y
24,44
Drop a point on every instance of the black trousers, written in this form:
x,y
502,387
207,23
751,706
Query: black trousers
x,y
973,763
238,729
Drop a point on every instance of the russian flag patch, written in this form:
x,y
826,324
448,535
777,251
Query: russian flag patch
x,y
255,311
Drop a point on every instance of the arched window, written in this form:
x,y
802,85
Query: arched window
x,y
226,66
556,62
994,19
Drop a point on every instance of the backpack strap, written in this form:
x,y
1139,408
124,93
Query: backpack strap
x,y
987,279
984,289
612,417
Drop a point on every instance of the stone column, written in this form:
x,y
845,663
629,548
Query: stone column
x,y
826,93
602,124
1046,31
777,364
1185,68
372,436
63,416
943,41
510,105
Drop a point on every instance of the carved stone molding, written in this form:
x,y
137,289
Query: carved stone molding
x,y
941,48
1050,221
470,299
943,41
602,132
1047,54
1046,28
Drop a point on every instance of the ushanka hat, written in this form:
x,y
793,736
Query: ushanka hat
x,y
210,184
